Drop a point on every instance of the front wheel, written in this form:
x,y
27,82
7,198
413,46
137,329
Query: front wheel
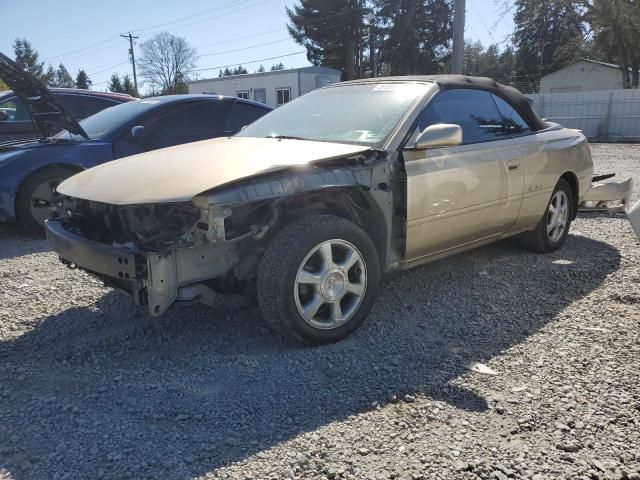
x,y
39,200
553,228
318,279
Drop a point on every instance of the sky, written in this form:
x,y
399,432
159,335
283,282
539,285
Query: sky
x,y
85,35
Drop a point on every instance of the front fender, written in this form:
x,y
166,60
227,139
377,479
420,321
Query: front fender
x,y
27,161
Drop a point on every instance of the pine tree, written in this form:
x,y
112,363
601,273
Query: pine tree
x,y
261,69
239,70
27,57
277,66
128,87
615,25
491,62
82,80
115,85
49,78
549,34
333,33
415,34
64,78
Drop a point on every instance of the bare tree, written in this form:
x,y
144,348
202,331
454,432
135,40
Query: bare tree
x,y
166,61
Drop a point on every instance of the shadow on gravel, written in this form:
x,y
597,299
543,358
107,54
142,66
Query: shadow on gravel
x,y
103,389
14,242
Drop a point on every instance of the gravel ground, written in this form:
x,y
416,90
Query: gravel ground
x,y
90,387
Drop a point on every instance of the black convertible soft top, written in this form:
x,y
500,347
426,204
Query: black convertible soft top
x,y
512,95
447,82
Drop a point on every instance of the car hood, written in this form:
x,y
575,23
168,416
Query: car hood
x,y
177,174
47,113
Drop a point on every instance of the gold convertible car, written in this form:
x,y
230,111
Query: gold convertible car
x,y
313,203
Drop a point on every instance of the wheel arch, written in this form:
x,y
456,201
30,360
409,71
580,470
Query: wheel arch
x,y
352,203
572,179
68,166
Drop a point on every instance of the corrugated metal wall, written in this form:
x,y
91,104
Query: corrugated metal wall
x,y
606,115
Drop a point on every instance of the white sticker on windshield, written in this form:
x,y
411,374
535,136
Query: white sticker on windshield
x,y
385,87
150,101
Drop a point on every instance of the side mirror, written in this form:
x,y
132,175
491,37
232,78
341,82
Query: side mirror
x,y
137,132
4,116
439,135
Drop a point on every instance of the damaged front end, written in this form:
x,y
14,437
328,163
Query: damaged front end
x,y
159,253
205,250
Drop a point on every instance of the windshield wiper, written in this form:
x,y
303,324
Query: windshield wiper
x,y
286,137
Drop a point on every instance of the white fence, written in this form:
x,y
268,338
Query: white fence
x,y
607,115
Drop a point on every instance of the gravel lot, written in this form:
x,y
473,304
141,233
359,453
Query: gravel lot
x,y
90,387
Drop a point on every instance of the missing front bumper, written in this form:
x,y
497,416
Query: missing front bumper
x,y
156,280
607,196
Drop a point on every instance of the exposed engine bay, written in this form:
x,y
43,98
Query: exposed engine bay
x,y
208,249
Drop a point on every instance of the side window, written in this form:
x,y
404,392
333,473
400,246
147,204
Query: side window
x,y
203,118
283,95
16,109
83,106
243,115
474,110
514,124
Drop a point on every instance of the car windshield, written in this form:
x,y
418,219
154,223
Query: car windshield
x,y
360,114
109,119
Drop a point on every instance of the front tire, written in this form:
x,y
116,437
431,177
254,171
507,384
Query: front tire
x,y
553,228
318,279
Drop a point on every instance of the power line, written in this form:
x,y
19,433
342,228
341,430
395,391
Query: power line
x,y
239,38
111,39
80,49
188,17
249,62
116,43
214,17
108,68
244,48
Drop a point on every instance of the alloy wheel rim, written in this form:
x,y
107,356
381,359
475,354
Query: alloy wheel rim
x,y
558,216
45,201
330,284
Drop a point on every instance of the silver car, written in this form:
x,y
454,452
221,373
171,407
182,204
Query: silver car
x,y
311,205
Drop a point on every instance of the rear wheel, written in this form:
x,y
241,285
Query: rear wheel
x,y
39,200
553,228
318,279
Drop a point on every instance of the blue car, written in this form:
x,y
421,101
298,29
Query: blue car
x,y
30,170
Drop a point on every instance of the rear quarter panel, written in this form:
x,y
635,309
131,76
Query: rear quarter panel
x,y
547,155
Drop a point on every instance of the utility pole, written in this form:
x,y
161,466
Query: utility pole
x,y
133,59
457,62
372,44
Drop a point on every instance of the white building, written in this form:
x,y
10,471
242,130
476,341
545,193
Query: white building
x,y
273,88
583,76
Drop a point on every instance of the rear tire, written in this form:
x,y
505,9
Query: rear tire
x,y
318,279
553,228
37,198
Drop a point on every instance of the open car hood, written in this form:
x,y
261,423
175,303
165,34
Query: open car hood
x,y
177,174
46,112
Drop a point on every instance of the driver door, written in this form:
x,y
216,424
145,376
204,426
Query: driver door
x,y
462,194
